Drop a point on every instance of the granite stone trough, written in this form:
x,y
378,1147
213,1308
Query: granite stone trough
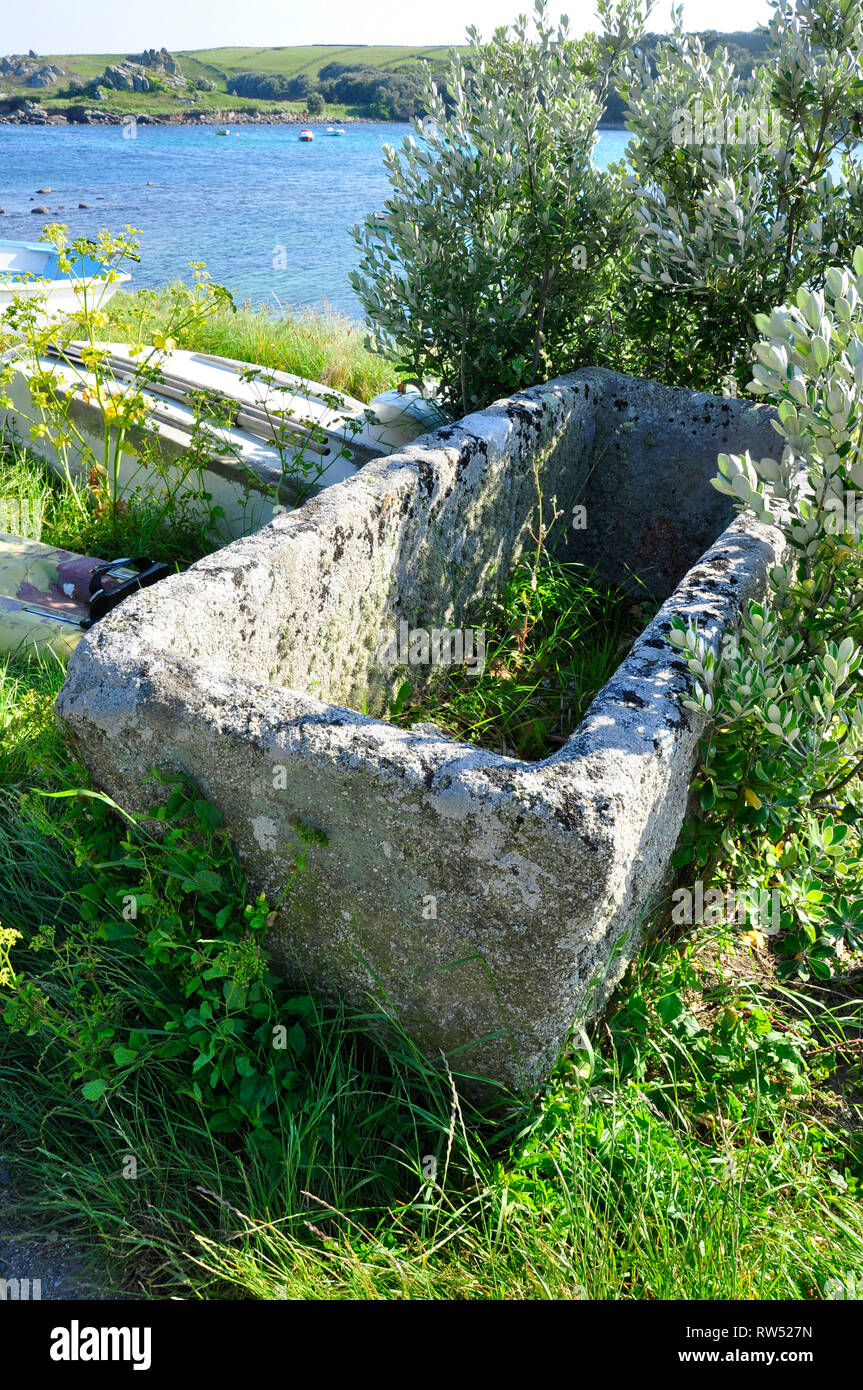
x,y
486,902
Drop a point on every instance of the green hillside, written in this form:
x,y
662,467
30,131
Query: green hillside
x,y
219,64
309,59
382,81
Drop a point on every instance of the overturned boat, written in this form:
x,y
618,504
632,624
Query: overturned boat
x,y
232,440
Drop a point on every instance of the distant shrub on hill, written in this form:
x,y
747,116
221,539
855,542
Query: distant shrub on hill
x,y
392,95
269,86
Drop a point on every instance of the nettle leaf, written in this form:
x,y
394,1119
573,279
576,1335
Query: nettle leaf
x,y
208,881
117,931
224,915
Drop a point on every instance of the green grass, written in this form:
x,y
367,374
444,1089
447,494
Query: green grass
x,y
219,63
84,66
325,347
705,1140
672,1155
169,104
554,637
76,518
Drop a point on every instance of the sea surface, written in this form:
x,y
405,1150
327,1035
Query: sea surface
x,y
269,215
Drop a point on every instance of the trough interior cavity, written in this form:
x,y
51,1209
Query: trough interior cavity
x,y
427,536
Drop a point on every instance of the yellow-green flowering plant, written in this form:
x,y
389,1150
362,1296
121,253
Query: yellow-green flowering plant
x,y
66,364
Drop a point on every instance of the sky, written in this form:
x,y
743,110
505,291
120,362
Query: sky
x,y
114,26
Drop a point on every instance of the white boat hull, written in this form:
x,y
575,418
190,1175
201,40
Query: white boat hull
x,y
30,271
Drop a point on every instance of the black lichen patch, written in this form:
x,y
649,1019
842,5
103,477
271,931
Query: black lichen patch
x,y
339,539
425,478
528,415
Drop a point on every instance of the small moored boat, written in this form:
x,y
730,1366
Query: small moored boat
x,y
334,130
306,134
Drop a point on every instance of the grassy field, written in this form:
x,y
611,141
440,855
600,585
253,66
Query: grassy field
x,y
221,63
309,59
172,104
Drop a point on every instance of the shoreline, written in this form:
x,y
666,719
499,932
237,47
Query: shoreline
x,y
92,115
77,114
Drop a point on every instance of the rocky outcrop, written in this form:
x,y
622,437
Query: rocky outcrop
x,y
145,72
30,71
46,76
121,78
158,58
21,110
16,66
86,115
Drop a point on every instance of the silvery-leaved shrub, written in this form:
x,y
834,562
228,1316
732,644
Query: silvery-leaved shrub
x,y
503,256
781,766
489,267
744,188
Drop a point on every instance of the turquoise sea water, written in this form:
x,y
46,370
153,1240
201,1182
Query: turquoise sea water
x,y
270,216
